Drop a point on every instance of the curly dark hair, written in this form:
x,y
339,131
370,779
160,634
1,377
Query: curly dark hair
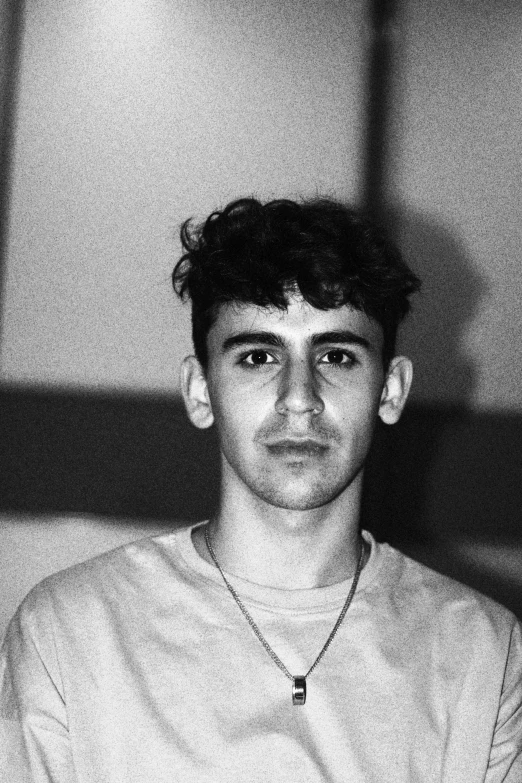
x,y
261,253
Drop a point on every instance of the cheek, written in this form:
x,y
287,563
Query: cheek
x,y
233,399
234,409
353,403
355,418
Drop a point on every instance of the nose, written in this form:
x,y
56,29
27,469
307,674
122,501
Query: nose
x,y
298,392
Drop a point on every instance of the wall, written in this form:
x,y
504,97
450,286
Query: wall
x,y
455,182
454,179
133,116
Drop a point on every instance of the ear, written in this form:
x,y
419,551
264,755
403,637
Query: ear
x,y
195,393
396,389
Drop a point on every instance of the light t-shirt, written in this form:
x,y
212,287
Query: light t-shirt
x,y
138,667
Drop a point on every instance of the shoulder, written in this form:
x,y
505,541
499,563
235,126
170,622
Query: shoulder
x,y
123,571
75,614
440,605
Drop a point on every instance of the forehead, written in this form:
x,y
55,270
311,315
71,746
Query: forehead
x,y
299,323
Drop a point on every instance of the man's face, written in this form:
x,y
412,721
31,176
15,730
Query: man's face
x,y
295,396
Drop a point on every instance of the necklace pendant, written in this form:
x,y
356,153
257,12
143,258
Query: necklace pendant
x,y
299,691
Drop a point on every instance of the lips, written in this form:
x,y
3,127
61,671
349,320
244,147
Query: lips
x,y
289,447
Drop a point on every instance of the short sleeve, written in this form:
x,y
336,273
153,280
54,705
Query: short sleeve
x,y
34,737
505,763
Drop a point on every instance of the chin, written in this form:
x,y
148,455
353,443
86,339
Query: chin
x,y
305,500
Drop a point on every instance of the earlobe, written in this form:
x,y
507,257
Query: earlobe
x,y
195,393
396,389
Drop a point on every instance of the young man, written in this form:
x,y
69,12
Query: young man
x,y
277,642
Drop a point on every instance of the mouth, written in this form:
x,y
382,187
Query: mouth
x,y
297,449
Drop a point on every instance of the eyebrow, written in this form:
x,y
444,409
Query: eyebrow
x,y
249,338
343,337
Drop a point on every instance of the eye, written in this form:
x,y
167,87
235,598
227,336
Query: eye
x,y
257,358
337,358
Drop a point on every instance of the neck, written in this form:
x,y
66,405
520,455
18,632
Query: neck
x,y
284,548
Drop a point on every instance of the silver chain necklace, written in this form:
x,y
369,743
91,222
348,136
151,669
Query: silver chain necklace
x,y
298,682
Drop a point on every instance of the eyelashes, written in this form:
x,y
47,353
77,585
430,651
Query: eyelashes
x,y
335,357
257,358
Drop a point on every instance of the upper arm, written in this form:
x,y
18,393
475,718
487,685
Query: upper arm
x,y
505,763
34,736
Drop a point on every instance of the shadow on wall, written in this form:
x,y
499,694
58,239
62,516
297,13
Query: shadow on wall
x,y
439,473
451,295
446,481
441,476
412,457
118,455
